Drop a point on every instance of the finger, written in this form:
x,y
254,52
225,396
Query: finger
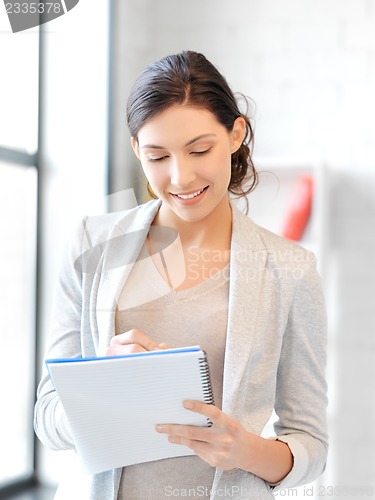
x,y
185,434
209,410
163,345
120,350
201,448
136,337
194,444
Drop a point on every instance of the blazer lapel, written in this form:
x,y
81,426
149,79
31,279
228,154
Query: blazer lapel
x,y
120,253
248,259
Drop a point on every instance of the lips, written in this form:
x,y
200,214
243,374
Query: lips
x,y
189,196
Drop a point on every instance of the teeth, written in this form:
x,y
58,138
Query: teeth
x,y
192,195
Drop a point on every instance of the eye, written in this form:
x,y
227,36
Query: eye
x,y
156,158
200,153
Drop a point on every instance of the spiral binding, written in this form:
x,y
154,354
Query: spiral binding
x,y
208,394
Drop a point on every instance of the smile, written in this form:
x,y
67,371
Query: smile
x,y
190,195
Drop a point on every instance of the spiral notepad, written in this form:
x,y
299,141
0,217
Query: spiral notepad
x,y
112,404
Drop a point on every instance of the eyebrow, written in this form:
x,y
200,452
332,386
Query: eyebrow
x,y
189,143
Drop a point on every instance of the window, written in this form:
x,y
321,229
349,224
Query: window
x,y
19,89
19,54
18,188
71,135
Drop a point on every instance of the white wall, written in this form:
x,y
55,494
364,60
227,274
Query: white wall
x,y
309,65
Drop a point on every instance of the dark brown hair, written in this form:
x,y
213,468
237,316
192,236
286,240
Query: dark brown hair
x,y
189,78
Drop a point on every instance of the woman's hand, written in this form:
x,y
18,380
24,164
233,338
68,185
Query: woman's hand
x,y
130,342
227,445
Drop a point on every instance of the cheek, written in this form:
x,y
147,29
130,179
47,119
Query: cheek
x,y
154,176
220,166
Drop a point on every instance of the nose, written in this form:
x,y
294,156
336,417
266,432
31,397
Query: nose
x,y
182,172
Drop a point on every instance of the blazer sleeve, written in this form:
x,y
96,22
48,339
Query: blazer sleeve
x,y
301,399
50,423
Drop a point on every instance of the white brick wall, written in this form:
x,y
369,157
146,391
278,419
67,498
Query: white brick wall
x,y
310,67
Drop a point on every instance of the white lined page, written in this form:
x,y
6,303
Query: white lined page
x,y
113,404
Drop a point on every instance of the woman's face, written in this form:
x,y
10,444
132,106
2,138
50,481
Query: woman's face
x,y
186,156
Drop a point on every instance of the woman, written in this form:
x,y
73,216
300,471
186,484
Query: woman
x,y
252,300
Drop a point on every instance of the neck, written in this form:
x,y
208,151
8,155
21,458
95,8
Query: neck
x,y
214,231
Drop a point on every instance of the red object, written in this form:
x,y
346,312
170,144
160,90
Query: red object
x,y
299,209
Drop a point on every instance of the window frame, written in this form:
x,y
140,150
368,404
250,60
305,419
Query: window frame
x,y
31,160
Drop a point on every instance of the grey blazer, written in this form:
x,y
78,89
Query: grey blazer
x,y
275,347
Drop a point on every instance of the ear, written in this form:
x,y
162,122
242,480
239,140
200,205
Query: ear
x,y
135,146
238,133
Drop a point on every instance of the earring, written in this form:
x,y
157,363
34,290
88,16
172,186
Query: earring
x,y
150,191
